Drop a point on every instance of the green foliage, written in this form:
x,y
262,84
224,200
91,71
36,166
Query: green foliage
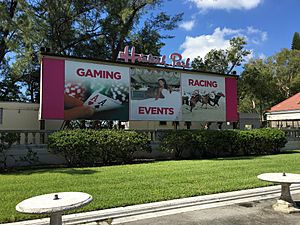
x,y
118,145
8,11
261,141
149,40
223,61
10,18
9,86
88,147
96,29
178,141
265,83
218,143
256,88
77,146
215,143
6,141
214,61
296,41
31,157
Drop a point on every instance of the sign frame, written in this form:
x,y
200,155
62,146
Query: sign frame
x,y
53,87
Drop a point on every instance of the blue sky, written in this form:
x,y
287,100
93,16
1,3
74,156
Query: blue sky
x,y
268,25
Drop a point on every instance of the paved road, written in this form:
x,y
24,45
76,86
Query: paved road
x,y
249,213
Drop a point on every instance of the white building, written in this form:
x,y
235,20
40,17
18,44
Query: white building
x,y
285,114
23,116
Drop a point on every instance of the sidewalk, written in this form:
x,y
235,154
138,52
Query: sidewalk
x,y
247,213
246,207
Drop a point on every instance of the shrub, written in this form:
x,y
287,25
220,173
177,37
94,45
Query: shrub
x,y
6,141
214,143
119,146
82,146
78,146
177,141
217,143
261,141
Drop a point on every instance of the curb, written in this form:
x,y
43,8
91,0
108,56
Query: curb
x,y
156,209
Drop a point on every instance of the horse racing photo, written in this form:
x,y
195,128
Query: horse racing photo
x,y
203,98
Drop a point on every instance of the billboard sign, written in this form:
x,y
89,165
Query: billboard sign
x,y
83,89
101,91
203,96
155,95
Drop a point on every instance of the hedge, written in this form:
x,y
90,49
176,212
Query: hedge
x,y
89,147
214,143
6,141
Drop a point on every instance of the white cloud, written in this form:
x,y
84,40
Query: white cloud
x,y
256,36
262,56
219,39
226,4
187,25
201,45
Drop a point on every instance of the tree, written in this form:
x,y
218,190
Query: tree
x,y
296,41
265,83
90,28
7,26
54,24
148,40
120,24
223,61
9,85
12,18
214,61
256,90
286,72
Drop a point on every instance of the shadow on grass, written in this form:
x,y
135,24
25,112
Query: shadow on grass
x,y
71,171
74,171
249,157
239,157
290,152
80,170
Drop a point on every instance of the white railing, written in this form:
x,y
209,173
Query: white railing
x,y
292,134
30,137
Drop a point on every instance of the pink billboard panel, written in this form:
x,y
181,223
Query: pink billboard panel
x,y
52,88
231,100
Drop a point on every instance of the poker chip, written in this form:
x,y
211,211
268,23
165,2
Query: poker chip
x,y
75,90
120,93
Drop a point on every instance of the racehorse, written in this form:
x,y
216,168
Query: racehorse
x,y
215,101
205,99
193,101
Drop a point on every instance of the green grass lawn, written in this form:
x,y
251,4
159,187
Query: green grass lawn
x,y
141,183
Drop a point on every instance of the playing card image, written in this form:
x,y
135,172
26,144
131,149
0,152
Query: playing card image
x,y
101,102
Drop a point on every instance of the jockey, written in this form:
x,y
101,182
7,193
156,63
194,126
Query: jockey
x,y
195,93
